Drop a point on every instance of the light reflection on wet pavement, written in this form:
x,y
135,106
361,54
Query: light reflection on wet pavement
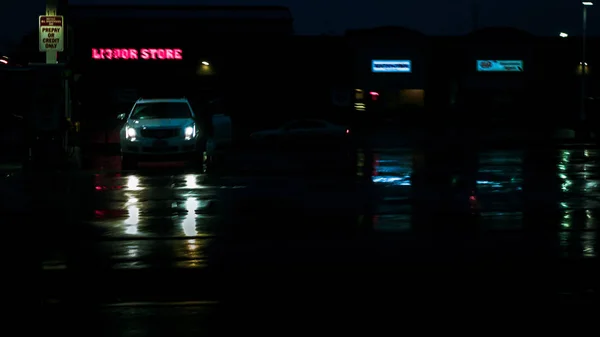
x,y
177,222
156,219
500,194
170,218
139,214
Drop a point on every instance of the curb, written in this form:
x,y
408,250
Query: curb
x,y
11,167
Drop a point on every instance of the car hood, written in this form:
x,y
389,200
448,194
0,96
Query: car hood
x,y
161,123
267,132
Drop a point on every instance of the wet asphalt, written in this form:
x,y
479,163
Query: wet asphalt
x,y
168,250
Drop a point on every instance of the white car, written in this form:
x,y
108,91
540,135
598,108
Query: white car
x,y
303,128
158,128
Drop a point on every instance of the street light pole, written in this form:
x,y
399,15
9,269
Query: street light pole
x,y
51,7
585,4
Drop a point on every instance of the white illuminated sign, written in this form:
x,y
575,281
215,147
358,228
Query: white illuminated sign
x,y
51,29
391,66
500,65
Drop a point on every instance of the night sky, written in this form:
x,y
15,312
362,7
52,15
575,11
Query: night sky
x,y
435,17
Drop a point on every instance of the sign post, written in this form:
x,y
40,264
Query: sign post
x,y
51,33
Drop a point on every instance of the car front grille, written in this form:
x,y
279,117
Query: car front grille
x,y
161,149
160,133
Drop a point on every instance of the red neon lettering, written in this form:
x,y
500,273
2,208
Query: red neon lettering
x,y
134,54
145,54
96,54
177,54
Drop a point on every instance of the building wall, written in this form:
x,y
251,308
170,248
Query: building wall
x,y
497,97
388,43
393,96
366,78
548,90
262,58
242,50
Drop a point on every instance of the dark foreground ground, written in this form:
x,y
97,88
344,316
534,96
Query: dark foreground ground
x,y
425,237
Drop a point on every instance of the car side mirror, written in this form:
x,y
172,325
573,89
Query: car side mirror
x,y
121,117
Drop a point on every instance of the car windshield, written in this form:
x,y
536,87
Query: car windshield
x,y
161,110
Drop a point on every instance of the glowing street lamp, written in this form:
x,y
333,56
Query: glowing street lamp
x,y
564,34
585,4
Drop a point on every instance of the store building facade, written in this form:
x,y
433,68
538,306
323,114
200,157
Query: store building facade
x,y
390,72
497,81
121,53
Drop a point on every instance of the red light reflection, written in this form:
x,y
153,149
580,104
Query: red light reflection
x,y
473,202
109,213
375,221
101,180
105,188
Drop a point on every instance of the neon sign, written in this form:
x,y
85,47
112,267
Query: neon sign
x,y
500,65
391,66
136,54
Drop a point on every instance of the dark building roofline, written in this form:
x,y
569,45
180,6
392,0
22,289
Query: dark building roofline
x,y
494,31
177,7
199,8
384,31
500,32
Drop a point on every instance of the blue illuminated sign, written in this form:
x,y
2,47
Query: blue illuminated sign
x,y
500,65
391,66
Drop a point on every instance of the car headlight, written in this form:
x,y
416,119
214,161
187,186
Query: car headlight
x,y
131,133
190,132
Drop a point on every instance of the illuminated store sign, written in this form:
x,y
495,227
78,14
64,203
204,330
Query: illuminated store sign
x,y
500,65
391,66
136,54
